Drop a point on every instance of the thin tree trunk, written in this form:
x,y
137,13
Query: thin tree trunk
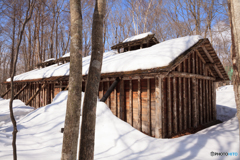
x,y
65,48
13,69
39,58
14,133
71,128
90,99
56,38
51,37
29,66
13,42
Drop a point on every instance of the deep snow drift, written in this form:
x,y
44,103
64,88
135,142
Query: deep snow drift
x,y
39,136
19,110
226,106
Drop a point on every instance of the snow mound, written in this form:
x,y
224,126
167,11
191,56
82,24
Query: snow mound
x,y
19,110
226,105
226,88
39,137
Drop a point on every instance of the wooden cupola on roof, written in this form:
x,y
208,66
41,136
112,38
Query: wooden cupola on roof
x,y
64,59
46,63
140,41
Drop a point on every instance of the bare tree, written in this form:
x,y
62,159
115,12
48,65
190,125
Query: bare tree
x,y
90,98
47,33
71,128
234,19
14,58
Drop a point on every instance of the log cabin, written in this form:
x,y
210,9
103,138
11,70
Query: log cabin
x,y
161,89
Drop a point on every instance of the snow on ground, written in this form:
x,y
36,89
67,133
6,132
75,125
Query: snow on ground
x,y
226,106
158,55
19,110
39,137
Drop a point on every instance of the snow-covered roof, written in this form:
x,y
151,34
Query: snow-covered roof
x,y
136,37
51,59
66,55
159,55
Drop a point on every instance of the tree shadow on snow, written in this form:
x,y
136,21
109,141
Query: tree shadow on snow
x,y
165,149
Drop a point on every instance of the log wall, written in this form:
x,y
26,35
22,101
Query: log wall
x,y
133,101
164,106
161,105
37,94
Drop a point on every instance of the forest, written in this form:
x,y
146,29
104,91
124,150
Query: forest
x,y
47,34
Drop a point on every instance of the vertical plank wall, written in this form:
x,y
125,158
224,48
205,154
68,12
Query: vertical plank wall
x,y
137,105
189,102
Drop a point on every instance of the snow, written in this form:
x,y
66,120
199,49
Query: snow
x,y
57,70
66,55
51,59
136,37
226,107
39,136
159,55
19,110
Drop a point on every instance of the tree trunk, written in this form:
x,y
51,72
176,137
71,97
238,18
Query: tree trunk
x,y
29,66
14,59
234,19
14,133
71,128
90,99
65,48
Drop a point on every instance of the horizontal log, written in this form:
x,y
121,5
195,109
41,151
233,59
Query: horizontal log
x,y
189,75
220,80
59,86
136,77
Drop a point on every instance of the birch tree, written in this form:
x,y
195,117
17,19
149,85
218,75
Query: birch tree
x,y
90,98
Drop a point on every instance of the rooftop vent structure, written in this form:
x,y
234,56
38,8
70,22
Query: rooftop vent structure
x,y
64,59
46,63
140,41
